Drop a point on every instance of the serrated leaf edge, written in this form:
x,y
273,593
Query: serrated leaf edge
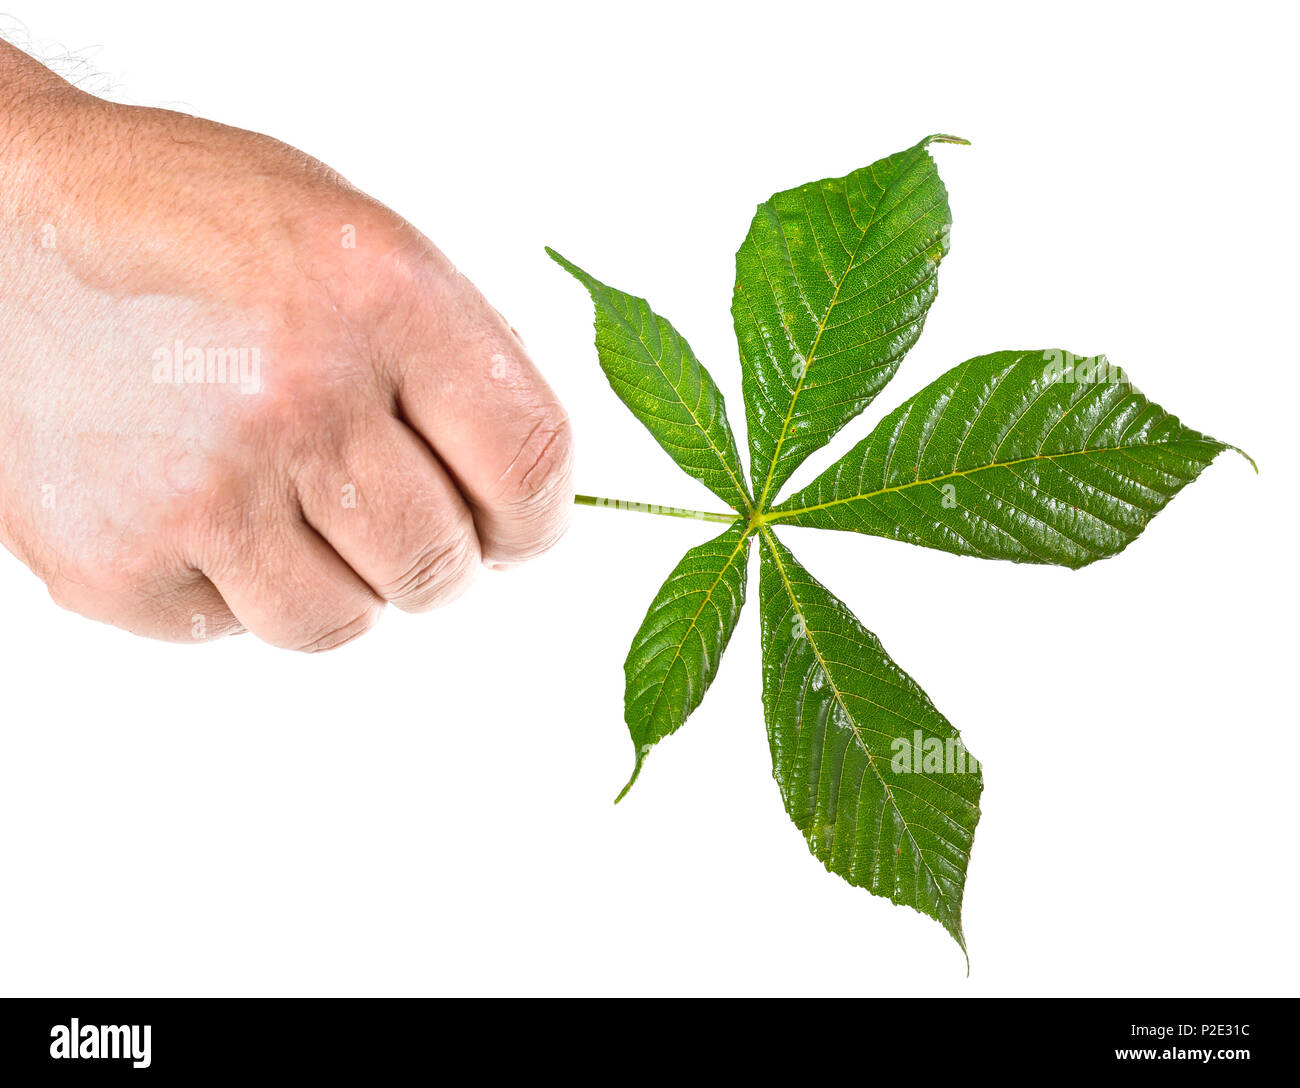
x,y
953,925
644,750
597,287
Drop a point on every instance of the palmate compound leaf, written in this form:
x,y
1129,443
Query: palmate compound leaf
x,y
1034,456
655,373
675,654
1029,456
873,775
833,283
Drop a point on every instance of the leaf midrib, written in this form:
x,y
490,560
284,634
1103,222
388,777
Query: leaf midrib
x,y
853,725
785,515
637,332
694,623
821,327
811,355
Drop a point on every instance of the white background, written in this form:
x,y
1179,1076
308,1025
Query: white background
x,y
429,810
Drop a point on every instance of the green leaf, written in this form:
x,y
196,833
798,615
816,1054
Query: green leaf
x,y
676,652
1034,456
833,283
655,373
873,775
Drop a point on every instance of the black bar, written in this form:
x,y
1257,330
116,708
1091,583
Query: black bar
x,y
380,1039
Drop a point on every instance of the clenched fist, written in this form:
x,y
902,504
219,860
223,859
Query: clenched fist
x,y
235,392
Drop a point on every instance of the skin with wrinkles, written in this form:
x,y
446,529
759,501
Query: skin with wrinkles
x,y
397,433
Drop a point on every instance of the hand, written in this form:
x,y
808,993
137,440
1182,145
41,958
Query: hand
x,y
235,392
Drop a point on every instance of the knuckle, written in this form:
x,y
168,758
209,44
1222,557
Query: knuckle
x,y
305,406
339,632
146,602
65,592
537,479
438,574
88,589
371,259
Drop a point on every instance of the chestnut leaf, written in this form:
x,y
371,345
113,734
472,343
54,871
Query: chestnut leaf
x,y
1035,456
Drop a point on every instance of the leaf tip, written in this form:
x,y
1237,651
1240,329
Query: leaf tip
x,y
1247,456
640,760
589,282
960,938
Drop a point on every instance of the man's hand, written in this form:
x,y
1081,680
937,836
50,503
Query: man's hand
x,y
235,392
